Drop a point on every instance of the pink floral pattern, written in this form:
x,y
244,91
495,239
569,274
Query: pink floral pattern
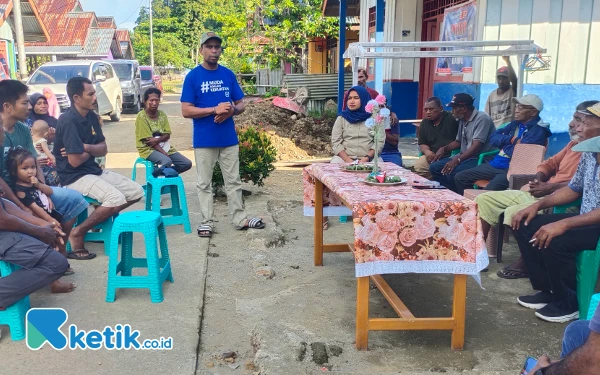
x,y
398,223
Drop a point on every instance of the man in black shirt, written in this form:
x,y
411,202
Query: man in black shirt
x,y
79,140
437,130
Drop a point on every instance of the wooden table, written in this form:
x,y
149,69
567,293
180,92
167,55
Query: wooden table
x,y
406,320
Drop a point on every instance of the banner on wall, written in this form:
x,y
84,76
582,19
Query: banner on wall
x,y
4,60
459,25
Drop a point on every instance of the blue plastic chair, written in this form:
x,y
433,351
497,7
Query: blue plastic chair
x,y
105,228
14,315
149,168
178,213
151,225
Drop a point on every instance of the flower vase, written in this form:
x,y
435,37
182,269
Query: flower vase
x,y
376,148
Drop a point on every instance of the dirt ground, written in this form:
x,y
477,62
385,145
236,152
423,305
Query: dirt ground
x,y
294,139
267,302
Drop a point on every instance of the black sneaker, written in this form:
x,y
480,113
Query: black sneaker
x,y
552,313
536,301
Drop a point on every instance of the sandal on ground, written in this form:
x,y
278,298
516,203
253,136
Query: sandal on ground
x,y
205,230
326,225
512,273
77,255
253,223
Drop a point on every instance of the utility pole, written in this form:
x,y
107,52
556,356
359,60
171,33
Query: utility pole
x,y
151,40
20,39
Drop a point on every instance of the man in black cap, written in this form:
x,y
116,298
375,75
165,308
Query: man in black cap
x,y
211,96
473,138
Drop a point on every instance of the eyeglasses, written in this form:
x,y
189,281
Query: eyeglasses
x,y
523,107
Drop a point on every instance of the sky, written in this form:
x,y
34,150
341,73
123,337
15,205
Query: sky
x,y
124,11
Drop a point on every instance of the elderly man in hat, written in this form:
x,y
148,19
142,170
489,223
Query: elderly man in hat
x,y
473,138
549,244
500,105
527,128
211,96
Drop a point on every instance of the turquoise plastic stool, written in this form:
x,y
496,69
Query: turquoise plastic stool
x,y
151,225
149,168
178,213
593,305
104,228
14,315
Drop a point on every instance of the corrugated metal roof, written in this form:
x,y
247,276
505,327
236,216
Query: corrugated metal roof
x,y
320,86
98,42
50,50
57,6
33,27
106,22
123,35
331,8
70,29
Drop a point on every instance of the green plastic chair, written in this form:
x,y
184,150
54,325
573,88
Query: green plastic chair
x,y
453,153
482,158
588,264
150,225
14,315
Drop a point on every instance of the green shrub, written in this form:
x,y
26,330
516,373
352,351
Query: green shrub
x,y
257,156
273,91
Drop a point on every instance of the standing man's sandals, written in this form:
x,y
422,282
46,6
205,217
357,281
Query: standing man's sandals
x,y
205,230
253,223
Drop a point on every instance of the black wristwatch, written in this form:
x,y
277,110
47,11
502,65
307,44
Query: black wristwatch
x,y
369,157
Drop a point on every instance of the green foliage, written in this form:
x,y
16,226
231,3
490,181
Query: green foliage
x,y
284,25
257,156
289,25
327,114
273,91
168,49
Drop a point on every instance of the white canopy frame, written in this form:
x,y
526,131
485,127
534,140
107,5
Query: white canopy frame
x,y
398,50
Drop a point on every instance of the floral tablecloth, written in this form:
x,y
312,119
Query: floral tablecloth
x,y
399,229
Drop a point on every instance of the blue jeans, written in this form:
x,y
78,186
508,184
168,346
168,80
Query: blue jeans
x,y
448,180
576,334
68,202
392,157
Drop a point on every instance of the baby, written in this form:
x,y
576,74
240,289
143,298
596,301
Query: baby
x,y
39,132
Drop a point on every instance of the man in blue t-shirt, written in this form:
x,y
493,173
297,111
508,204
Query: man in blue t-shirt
x,y
211,96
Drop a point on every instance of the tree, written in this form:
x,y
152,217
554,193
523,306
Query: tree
x,y
289,25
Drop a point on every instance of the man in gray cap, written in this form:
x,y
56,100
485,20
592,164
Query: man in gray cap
x,y
211,96
527,128
549,244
